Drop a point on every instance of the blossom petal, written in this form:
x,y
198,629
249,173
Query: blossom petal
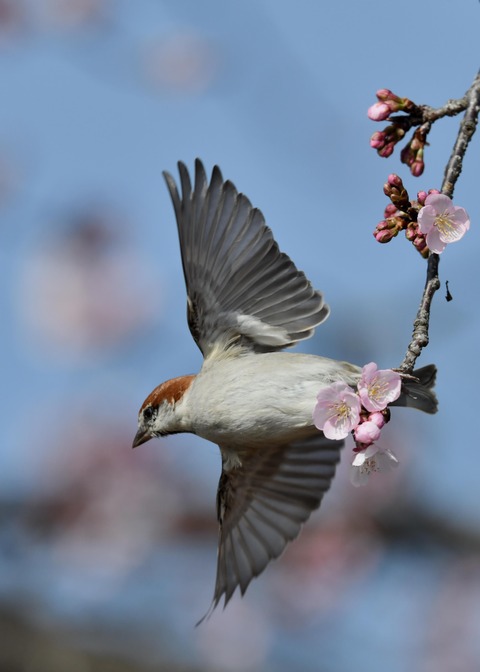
x,y
440,202
335,429
359,458
371,451
426,218
434,242
461,216
386,460
358,477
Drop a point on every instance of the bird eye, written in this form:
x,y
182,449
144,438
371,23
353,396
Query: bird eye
x,y
148,413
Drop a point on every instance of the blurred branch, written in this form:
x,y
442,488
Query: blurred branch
x,y
26,647
408,523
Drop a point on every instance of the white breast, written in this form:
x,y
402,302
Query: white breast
x,y
258,398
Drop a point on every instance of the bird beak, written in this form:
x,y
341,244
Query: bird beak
x,y
142,436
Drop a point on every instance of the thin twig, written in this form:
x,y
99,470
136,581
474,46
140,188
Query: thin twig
x,y
422,114
453,169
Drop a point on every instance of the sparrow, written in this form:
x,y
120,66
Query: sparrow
x,y
246,303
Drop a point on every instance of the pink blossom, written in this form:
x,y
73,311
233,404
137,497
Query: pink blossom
x,y
367,461
337,411
442,222
379,111
367,432
378,388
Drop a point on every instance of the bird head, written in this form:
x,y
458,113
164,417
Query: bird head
x,y
158,414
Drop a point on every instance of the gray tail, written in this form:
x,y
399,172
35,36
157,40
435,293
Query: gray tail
x,y
417,391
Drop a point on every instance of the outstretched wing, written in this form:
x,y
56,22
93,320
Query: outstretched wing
x,y
262,504
240,286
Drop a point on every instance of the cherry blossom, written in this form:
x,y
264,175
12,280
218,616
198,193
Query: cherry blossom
x,y
367,461
442,222
378,388
337,411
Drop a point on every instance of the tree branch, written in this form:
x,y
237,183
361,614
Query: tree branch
x,y
420,337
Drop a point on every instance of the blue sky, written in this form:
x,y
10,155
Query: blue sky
x,y
276,94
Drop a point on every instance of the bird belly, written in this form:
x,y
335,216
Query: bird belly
x,y
258,399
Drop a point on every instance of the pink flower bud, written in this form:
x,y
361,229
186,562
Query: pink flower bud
x,y
411,231
396,192
412,153
386,151
379,112
388,229
420,243
384,235
377,140
385,141
390,210
417,168
395,103
377,418
421,196
385,94
395,181
433,191
366,433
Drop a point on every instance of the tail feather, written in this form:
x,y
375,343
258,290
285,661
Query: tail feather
x,y
417,391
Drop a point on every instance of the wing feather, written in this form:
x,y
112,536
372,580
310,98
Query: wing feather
x,y
239,284
263,504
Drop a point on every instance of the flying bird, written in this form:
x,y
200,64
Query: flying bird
x,y
246,302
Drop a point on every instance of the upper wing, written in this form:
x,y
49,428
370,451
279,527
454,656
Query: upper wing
x,y
263,503
239,285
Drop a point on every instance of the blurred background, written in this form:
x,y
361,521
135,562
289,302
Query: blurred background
x,y
107,555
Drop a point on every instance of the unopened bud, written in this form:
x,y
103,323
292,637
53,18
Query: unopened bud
x,y
388,229
384,94
378,418
417,167
379,111
421,245
385,141
386,150
384,236
411,231
396,192
395,181
390,210
412,153
377,140
394,102
421,196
